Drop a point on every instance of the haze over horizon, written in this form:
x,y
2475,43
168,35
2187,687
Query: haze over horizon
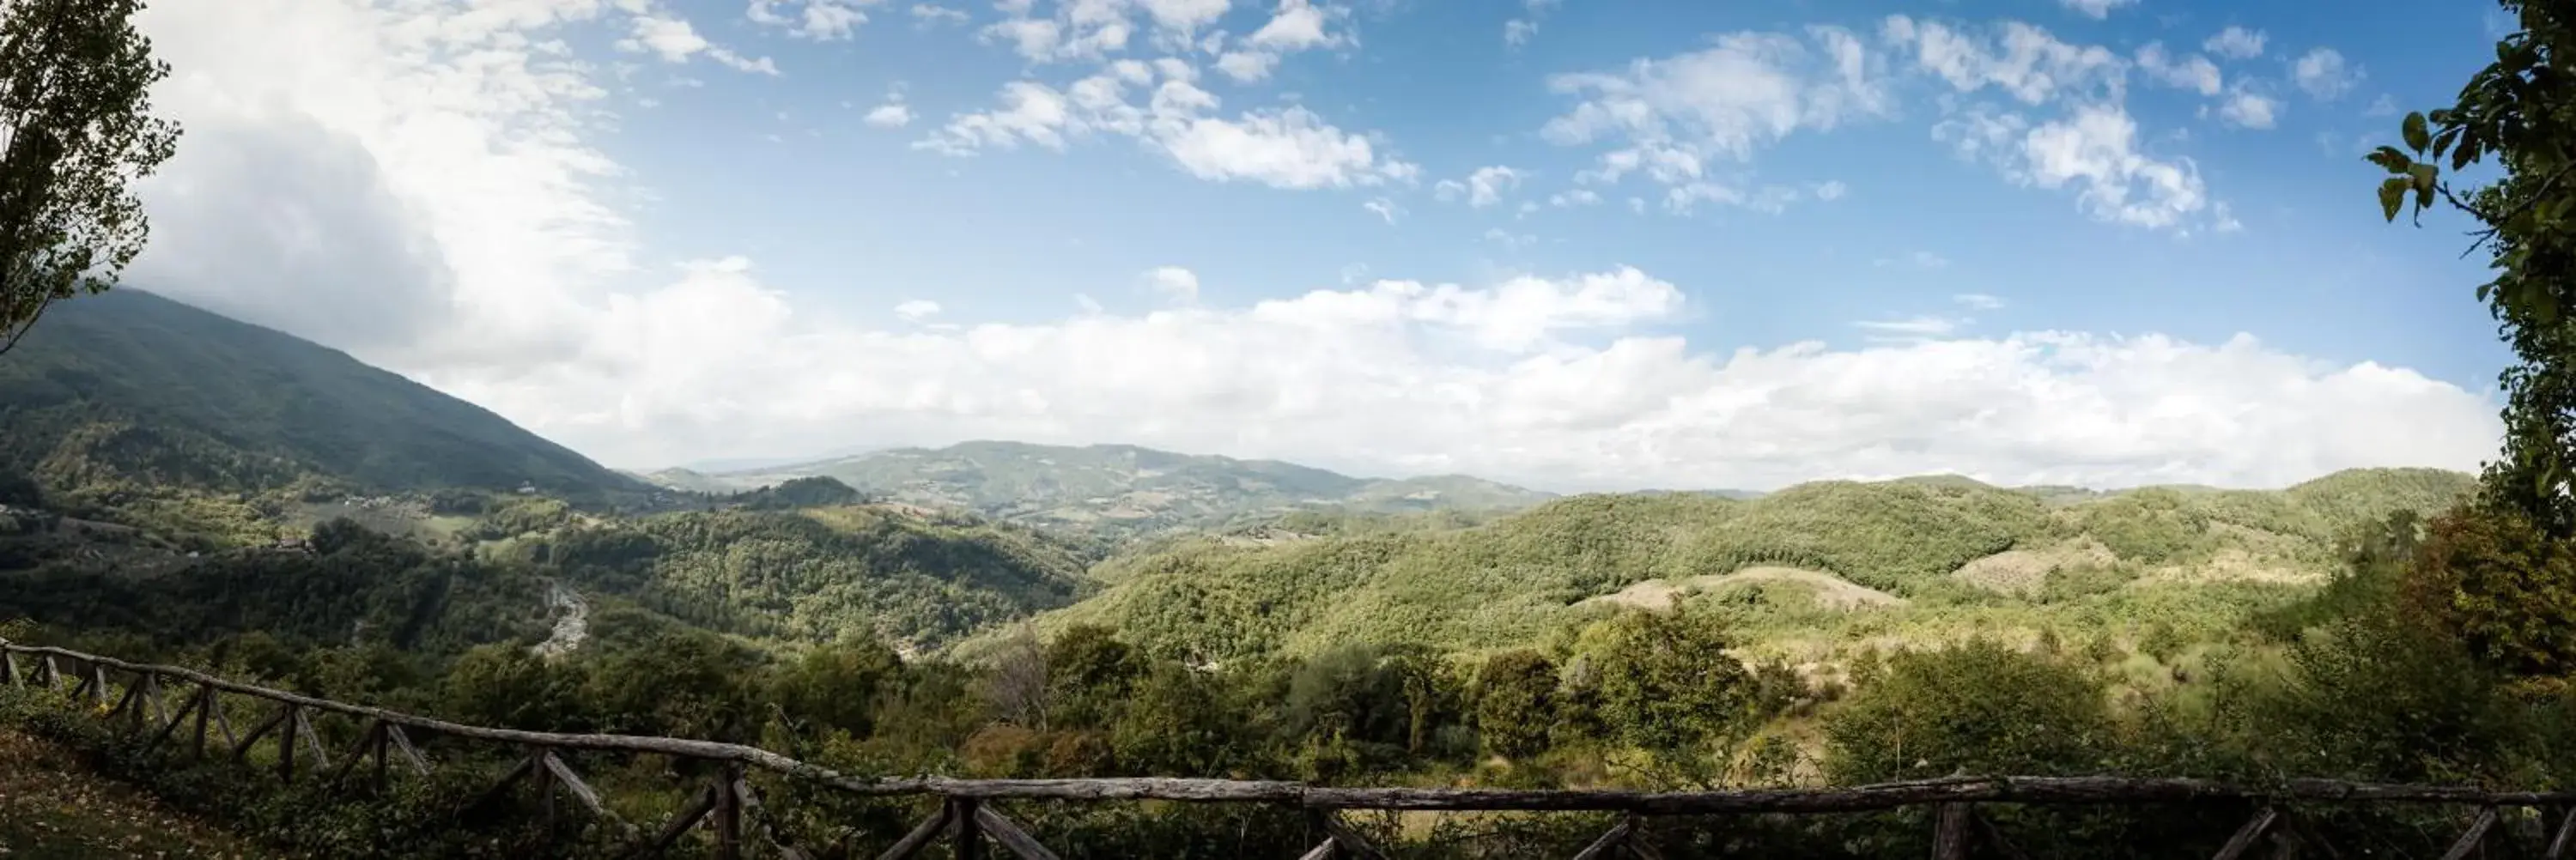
x,y
1556,243
773,465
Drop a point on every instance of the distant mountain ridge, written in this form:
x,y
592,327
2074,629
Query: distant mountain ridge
x,y
1116,489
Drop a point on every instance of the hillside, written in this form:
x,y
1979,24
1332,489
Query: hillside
x,y
822,573
1116,489
1956,547
180,417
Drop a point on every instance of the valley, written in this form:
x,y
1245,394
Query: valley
x,y
352,535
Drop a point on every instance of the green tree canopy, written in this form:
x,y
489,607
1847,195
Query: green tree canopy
x,y
75,127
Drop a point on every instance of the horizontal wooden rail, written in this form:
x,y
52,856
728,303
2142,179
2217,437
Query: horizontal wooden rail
x,y
964,817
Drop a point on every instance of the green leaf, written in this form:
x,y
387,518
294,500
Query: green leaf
x,y
2417,137
2392,196
2389,159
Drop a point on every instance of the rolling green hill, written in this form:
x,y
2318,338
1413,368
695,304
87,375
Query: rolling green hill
x,y
1959,549
1119,490
188,421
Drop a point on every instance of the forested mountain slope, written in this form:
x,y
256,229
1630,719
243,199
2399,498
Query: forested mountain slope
x,y
136,403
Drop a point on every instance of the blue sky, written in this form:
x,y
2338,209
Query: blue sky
x,y
856,211
1580,243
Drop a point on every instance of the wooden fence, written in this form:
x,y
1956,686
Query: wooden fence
x,y
137,697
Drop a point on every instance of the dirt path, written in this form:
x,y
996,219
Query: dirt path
x,y
52,808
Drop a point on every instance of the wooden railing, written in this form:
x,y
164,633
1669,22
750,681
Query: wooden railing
x,y
137,697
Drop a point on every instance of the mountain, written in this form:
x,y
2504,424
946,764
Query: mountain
x,y
1833,561
1116,489
173,414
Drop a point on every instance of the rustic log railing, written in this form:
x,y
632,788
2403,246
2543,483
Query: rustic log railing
x,y
968,822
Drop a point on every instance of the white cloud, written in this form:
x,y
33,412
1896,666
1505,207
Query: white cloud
x,y
674,40
1383,208
2384,105
1297,25
1920,260
822,20
2021,60
1290,148
1179,285
1831,189
1486,186
1675,119
2245,108
2095,152
2324,74
2194,72
1575,197
1540,380
414,185
2095,9
894,114
2235,43
1911,328
928,14
1518,31
1979,301
916,310
1247,66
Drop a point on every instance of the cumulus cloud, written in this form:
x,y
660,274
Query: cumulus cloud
x,y
931,14
2324,74
2094,152
1518,31
2195,72
890,115
675,40
821,20
1543,380
916,310
428,162
2018,59
2245,108
1484,187
1179,285
2235,43
1678,120
1157,103
2095,9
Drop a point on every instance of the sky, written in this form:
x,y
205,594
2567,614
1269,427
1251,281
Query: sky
x,y
1573,244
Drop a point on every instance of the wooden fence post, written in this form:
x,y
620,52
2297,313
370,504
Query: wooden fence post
x,y
289,721
969,835
728,813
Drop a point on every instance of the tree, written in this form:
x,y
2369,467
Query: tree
x,y
2519,111
1980,708
75,128
1515,702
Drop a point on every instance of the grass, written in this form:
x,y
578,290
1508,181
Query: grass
x,y
51,807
